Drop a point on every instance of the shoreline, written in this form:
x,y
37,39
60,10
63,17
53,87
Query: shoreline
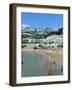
x,y
54,55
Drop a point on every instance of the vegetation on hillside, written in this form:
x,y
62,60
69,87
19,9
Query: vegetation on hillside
x,y
36,35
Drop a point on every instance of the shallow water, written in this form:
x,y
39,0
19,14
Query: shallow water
x,y
34,64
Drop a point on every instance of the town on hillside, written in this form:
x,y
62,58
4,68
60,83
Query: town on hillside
x,y
41,38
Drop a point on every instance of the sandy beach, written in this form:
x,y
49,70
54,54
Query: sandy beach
x,y
54,55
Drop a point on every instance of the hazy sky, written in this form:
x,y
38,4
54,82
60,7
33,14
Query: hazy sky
x,y
37,20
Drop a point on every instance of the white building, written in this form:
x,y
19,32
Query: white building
x,y
53,41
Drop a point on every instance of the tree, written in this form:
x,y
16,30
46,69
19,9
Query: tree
x,y
25,41
61,31
35,30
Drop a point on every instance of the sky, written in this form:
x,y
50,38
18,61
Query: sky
x,y
37,20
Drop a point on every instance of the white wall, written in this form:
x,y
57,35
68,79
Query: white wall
x,y
4,45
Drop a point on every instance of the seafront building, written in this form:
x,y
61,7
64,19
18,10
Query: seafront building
x,y
53,41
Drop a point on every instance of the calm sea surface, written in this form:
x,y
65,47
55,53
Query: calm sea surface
x,y
34,64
